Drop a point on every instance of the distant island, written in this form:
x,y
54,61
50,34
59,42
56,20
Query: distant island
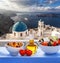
x,y
49,15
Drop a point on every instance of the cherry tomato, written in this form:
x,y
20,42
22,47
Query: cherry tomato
x,y
45,43
28,52
58,41
54,43
22,52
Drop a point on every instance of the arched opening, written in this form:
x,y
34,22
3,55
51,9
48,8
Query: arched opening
x,y
26,33
21,34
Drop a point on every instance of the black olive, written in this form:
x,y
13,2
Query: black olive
x,y
42,40
51,40
49,44
39,40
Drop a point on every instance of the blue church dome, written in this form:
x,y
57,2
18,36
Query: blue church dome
x,y
19,27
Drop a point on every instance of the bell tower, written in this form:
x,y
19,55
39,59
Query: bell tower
x,y
40,27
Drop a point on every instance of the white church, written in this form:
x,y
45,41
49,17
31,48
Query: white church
x,y
19,30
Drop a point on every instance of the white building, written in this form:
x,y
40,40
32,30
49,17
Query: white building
x,y
40,28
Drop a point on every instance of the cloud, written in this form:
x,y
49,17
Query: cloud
x,y
24,2
43,8
38,8
14,6
58,7
22,6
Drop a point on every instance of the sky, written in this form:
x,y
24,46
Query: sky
x,y
30,5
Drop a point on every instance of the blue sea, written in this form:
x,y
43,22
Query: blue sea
x,y
33,19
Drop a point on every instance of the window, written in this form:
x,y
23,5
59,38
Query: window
x,y
26,33
14,34
21,34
